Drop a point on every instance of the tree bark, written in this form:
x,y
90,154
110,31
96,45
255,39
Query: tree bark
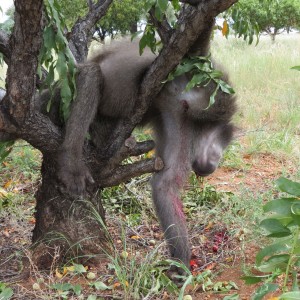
x,y
76,227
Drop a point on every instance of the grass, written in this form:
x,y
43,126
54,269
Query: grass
x,y
19,178
268,143
268,92
3,70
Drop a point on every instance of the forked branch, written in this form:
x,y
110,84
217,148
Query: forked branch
x,y
82,31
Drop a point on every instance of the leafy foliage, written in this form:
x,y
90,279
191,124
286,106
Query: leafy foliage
x,y
271,16
56,55
163,10
203,72
5,149
121,17
200,67
296,68
8,24
5,292
241,24
281,258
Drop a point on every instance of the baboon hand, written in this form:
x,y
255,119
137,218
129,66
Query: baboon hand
x,y
73,174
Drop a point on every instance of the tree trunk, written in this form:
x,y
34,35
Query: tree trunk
x,y
75,227
133,27
273,35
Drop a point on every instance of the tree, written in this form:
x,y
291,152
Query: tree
x,y
272,17
8,24
121,17
76,221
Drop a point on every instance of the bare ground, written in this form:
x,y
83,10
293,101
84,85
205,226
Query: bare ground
x,y
219,252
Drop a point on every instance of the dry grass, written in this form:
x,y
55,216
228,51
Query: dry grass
x,y
268,91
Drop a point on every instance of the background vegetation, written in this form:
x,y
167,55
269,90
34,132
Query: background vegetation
x,y
272,17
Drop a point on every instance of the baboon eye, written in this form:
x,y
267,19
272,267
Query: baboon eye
x,y
185,105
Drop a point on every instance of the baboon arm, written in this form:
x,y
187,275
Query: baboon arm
x,y
72,171
166,186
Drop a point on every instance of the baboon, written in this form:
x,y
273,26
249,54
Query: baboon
x,y
188,134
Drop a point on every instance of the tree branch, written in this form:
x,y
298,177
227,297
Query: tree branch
x,y
18,115
163,28
126,172
41,133
90,4
131,148
82,31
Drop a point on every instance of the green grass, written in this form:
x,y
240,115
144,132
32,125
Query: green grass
x,y
3,70
268,92
19,177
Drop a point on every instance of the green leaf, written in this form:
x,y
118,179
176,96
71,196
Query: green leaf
x,y
78,268
188,281
62,286
254,279
290,296
176,5
143,43
91,297
281,206
274,262
50,76
148,39
163,5
296,208
149,4
207,67
288,186
158,13
226,88
65,92
77,289
296,68
295,286
216,74
232,297
55,53
99,285
296,219
264,290
5,292
5,149
212,99
275,228
61,65
272,249
181,69
49,38
171,287
177,264
197,80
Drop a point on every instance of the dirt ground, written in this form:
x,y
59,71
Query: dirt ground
x,y
258,175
